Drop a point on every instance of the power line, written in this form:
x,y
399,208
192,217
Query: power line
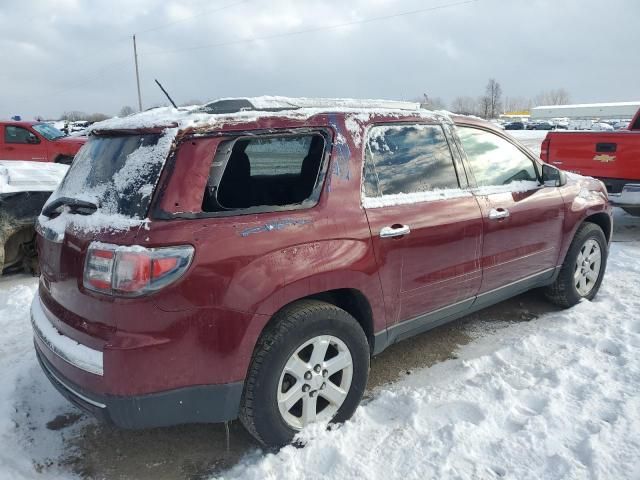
x,y
314,29
209,10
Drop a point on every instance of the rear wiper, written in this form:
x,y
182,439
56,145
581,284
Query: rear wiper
x,y
75,206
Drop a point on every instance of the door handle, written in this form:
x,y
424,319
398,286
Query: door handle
x,y
395,231
498,213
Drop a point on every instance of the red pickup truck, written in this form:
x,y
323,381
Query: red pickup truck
x,y
612,157
37,142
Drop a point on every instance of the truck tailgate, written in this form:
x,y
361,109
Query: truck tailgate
x,y
614,155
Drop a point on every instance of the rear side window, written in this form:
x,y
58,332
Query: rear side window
x,y
493,160
407,159
266,172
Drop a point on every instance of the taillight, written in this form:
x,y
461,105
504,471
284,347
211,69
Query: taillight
x,y
544,150
134,271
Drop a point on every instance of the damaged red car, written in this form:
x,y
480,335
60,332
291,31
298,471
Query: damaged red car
x,y
246,259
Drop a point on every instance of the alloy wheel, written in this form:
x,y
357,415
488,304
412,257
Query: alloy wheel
x,y
315,381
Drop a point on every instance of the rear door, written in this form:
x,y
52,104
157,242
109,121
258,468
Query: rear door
x,y
21,143
522,219
426,230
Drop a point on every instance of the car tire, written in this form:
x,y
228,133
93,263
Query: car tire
x,y
64,160
583,268
284,367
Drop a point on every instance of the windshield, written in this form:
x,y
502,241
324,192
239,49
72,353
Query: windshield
x,y
48,131
117,174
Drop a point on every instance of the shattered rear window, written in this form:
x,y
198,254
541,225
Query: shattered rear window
x,y
117,173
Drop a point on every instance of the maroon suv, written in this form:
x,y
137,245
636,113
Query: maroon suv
x,y
246,259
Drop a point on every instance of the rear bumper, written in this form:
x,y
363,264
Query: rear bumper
x,y
199,404
628,197
192,404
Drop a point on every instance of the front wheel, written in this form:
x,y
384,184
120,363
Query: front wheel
x,y
583,268
310,365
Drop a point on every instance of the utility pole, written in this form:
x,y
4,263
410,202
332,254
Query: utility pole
x,y
135,57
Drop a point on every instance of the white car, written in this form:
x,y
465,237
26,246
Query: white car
x,y
602,127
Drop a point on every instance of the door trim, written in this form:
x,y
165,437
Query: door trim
x,y
428,321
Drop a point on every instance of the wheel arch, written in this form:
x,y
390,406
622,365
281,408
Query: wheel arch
x,y
603,221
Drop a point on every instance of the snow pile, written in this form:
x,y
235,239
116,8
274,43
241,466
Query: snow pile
x,y
25,176
27,400
558,397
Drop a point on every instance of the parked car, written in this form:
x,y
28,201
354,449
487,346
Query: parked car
x,y
601,127
610,156
24,188
514,126
37,142
249,264
543,125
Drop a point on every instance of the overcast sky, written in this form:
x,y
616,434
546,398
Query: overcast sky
x,y
77,54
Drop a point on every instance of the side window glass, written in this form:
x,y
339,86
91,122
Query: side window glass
x,y
13,134
493,160
262,171
405,159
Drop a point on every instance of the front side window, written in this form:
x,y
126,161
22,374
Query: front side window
x,y
407,159
13,134
493,160
266,171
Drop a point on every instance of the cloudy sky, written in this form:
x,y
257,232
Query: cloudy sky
x,y
77,54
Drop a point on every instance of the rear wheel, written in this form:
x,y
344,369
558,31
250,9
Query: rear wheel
x,y
635,211
583,268
310,365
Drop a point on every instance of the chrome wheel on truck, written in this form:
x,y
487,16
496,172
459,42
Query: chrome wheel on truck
x,y
315,381
311,364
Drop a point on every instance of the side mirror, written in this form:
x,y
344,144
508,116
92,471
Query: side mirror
x,y
552,177
32,139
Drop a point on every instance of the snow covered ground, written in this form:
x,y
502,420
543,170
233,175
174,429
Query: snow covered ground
x,y
557,397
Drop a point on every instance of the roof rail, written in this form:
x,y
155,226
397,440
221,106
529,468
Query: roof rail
x,y
275,104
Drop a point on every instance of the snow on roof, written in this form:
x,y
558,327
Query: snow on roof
x,y
589,105
25,176
295,108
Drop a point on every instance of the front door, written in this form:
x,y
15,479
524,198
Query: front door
x,y
522,218
426,230
22,144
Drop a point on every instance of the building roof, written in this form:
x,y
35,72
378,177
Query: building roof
x,y
589,105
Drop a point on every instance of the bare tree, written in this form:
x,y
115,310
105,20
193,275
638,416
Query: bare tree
x,y
430,103
484,105
96,117
557,96
517,104
465,105
73,116
126,111
493,94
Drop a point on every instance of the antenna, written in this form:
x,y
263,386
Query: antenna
x,y
166,94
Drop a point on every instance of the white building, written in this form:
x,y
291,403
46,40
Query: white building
x,y
587,111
